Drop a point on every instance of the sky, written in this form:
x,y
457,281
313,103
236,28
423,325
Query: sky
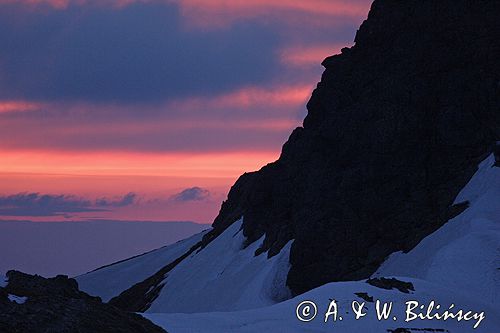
x,y
151,109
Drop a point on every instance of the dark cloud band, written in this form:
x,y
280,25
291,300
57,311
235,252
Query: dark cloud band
x,y
36,204
191,194
134,54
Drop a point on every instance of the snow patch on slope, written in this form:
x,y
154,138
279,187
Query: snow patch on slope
x,y
17,299
464,254
225,276
110,281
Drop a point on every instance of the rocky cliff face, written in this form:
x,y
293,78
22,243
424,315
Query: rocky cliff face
x,y
394,130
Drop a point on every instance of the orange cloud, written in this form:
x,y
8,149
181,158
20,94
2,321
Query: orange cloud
x,y
212,164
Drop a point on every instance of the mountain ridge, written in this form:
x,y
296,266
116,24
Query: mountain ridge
x,y
395,129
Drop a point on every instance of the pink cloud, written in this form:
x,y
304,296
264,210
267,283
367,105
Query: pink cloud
x,y
243,7
256,7
248,97
222,13
305,56
260,116
18,106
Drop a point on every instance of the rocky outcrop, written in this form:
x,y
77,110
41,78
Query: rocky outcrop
x,y
395,128
32,304
404,287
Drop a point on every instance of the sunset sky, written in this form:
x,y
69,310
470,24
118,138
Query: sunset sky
x,y
151,109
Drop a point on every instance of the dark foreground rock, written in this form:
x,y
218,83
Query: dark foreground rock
x,y
33,304
395,129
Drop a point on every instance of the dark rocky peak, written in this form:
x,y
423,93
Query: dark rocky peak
x,y
395,129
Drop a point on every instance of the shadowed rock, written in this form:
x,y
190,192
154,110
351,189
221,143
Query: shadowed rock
x,y
404,287
33,304
395,129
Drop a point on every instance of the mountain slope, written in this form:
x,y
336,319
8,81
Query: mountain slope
x,y
109,281
224,276
195,283
457,264
464,254
395,129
